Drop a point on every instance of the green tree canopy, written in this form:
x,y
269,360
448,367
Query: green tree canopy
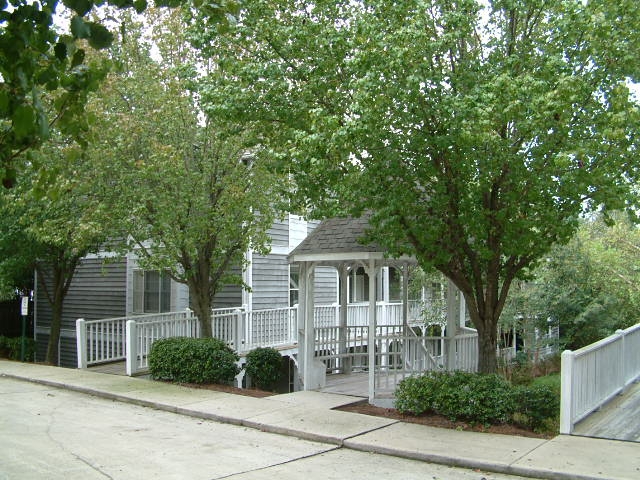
x,y
39,62
194,191
477,134
588,287
52,218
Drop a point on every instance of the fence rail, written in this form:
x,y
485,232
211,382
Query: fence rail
x,y
593,375
397,347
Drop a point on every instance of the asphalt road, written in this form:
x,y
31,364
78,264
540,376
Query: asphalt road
x,y
48,433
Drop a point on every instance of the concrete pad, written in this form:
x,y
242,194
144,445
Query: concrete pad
x,y
348,464
35,370
230,408
323,425
63,435
9,386
581,457
452,447
315,399
164,396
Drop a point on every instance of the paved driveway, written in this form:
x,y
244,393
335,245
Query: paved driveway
x,y
49,433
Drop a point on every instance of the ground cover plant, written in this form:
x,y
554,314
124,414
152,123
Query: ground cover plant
x,y
480,399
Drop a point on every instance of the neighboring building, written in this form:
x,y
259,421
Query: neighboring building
x,y
109,286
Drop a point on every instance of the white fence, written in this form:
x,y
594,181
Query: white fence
x,y
131,338
593,375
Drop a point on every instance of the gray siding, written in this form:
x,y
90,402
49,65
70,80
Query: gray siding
x,y
98,290
270,281
279,233
325,286
229,295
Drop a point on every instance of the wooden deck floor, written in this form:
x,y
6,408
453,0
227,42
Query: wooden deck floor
x,y
115,368
618,420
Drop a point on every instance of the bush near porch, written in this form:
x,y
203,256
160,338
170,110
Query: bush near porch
x,y
478,398
193,360
264,367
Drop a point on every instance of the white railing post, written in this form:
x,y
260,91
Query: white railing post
x,y
237,328
623,360
132,347
566,392
81,342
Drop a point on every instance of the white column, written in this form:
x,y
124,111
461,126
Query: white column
x,y
309,329
81,342
462,309
343,312
371,341
405,294
132,347
384,282
247,278
566,387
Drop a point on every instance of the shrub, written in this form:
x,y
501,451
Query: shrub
x,y
264,366
458,396
538,404
11,347
193,360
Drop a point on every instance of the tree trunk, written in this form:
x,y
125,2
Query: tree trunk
x,y
487,350
202,308
486,322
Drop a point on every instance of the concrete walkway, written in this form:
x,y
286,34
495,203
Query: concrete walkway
x,y
309,415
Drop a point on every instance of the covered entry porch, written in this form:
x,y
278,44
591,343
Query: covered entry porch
x,y
385,349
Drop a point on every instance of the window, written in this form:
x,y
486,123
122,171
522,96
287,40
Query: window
x,y
151,291
358,286
294,282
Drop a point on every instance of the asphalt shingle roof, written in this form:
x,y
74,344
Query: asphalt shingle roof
x,y
338,235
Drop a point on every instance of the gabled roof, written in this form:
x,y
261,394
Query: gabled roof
x,y
338,239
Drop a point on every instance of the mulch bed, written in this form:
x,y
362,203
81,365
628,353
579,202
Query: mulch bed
x,y
439,421
367,409
247,392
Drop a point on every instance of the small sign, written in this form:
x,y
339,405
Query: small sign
x,y
25,306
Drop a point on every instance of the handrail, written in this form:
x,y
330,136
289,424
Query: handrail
x,y
591,376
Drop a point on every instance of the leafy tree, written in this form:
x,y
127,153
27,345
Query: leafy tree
x,y
589,286
38,63
477,134
195,190
54,219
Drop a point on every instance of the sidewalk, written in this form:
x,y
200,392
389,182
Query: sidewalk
x,y
308,415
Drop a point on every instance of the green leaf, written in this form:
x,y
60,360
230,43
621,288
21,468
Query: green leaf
x,y
78,58
60,51
81,7
4,101
80,28
100,37
23,119
140,5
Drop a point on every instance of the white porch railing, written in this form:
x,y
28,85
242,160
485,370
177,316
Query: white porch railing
x,y
593,375
131,338
100,341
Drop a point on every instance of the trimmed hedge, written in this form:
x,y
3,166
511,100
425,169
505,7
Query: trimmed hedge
x,y
538,404
193,360
477,398
264,367
10,347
